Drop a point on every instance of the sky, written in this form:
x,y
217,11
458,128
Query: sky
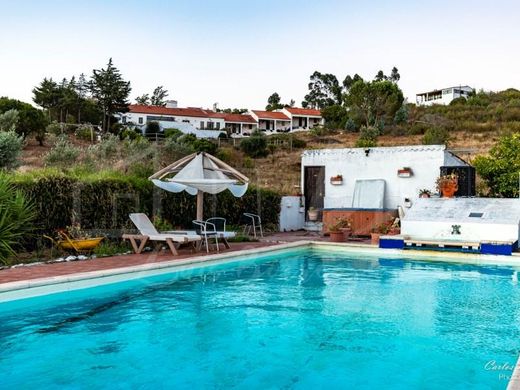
x,y
237,53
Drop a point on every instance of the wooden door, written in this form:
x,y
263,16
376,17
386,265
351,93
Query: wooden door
x,y
314,189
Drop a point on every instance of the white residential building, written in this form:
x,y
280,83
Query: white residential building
x,y
303,118
272,121
398,172
442,96
240,125
171,117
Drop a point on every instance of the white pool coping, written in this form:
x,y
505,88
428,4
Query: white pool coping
x,y
42,286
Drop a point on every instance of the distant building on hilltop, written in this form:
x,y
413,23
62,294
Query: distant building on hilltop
x,y
443,96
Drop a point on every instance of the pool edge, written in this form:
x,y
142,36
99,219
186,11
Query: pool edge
x,y
106,274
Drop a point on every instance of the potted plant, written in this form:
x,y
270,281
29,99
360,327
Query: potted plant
x,y
448,185
335,229
379,231
395,228
347,228
336,180
425,193
313,214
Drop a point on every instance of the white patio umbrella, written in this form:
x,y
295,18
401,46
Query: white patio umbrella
x,y
199,173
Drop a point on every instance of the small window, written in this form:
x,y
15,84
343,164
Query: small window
x,y
218,125
124,119
141,120
476,215
202,125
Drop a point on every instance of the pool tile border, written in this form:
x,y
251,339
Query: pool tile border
x,y
35,287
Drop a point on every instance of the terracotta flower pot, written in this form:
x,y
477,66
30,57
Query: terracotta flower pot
x,y
313,215
347,232
448,191
337,236
374,238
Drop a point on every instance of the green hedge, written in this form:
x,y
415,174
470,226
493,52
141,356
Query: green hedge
x,y
103,203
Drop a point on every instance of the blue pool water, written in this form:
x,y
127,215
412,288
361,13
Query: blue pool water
x,y
303,319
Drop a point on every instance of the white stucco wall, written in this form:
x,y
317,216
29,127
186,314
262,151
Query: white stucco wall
x,y
381,163
194,121
434,219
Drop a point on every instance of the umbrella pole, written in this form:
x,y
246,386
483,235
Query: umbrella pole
x,y
200,203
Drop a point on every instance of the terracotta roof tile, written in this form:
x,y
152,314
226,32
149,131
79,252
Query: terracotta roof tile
x,y
239,118
303,111
157,110
271,115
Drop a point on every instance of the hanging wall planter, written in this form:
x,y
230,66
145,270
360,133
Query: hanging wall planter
x,y
405,172
336,180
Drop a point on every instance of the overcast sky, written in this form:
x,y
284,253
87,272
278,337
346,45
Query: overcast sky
x,y
237,53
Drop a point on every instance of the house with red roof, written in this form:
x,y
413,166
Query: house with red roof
x,y
272,121
240,125
174,117
303,118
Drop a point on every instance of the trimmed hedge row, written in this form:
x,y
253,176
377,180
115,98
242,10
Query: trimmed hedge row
x,y
104,203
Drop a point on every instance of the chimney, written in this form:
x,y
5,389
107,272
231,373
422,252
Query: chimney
x,y
171,103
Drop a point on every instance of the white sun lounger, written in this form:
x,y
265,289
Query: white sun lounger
x,y
148,232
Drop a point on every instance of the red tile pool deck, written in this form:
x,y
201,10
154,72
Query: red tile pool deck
x,y
66,268
38,271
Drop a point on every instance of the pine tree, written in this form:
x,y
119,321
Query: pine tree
x,y
111,92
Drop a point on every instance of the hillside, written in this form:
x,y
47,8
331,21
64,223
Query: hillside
x,y
473,128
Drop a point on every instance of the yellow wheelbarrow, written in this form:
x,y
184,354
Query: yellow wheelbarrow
x,y
85,245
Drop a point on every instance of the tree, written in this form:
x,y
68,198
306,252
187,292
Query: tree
x,y
380,76
324,90
394,76
9,120
335,116
111,92
374,101
158,96
273,102
47,95
349,81
81,92
30,119
233,110
144,99
500,170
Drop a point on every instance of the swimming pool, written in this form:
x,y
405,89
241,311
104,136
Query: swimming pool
x,y
299,319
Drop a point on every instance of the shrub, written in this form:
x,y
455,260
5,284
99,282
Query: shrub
x,y
16,216
63,153
9,120
255,146
106,149
173,150
172,133
10,149
54,128
130,134
367,137
204,145
298,143
350,125
103,202
401,115
85,133
500,169
152,128
436,136
460,101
